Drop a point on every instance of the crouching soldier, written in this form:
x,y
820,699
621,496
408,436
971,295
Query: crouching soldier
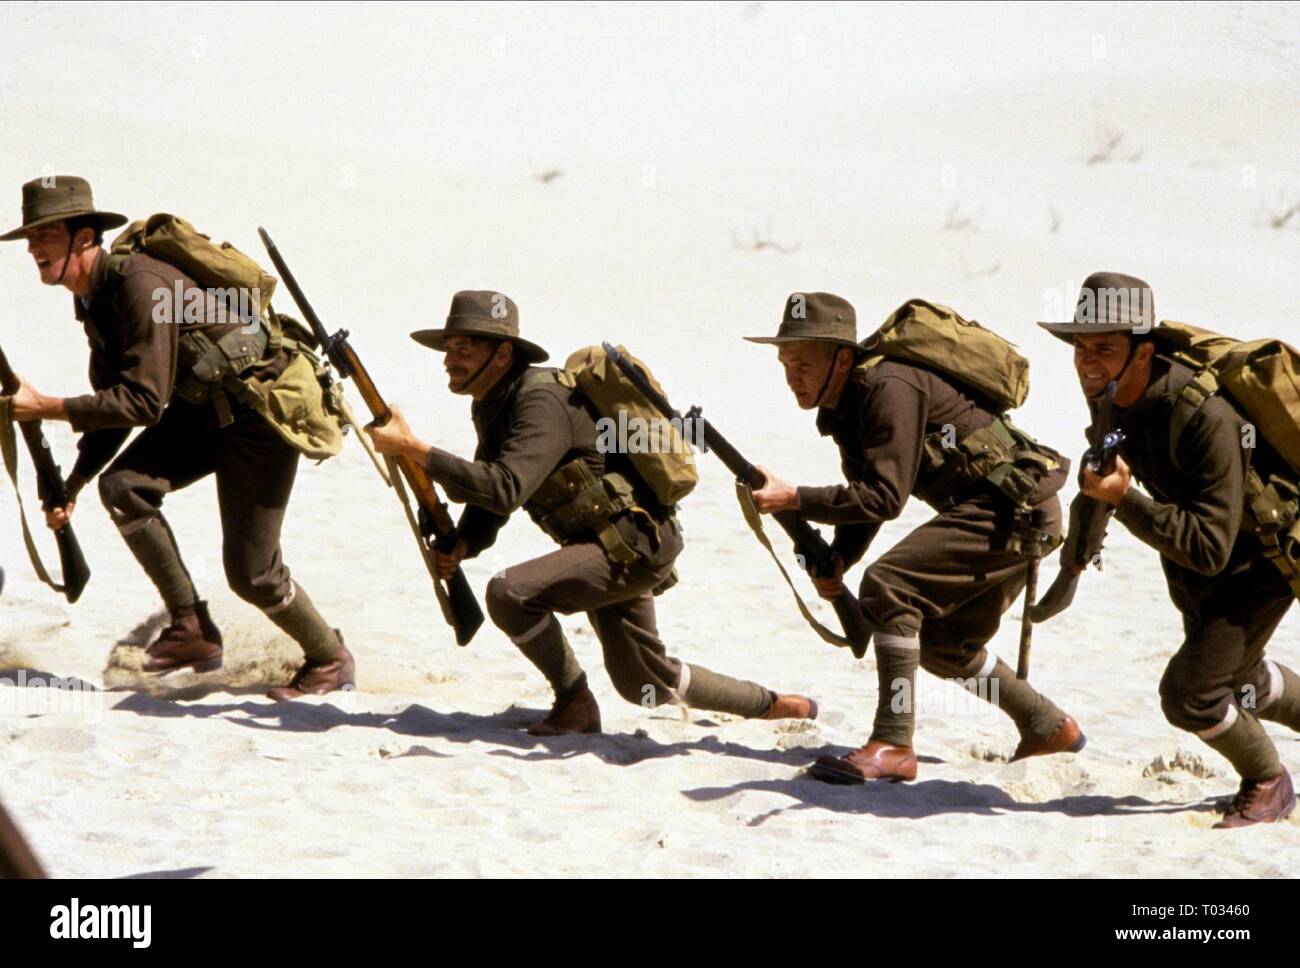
x,y
937,597
538,448
1218,685
146,354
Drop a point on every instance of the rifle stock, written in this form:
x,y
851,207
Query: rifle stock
x,y
810,547
467,615
1088,519
53,493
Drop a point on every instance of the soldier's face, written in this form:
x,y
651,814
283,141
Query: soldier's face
x,y
465,357
1099,358
806,366
48,246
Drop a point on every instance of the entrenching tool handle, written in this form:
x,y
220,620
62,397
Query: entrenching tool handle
x,y
1026,620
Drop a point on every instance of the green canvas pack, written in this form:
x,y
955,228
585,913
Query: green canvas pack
x,y
300,403
667,463
1261,378
939,338
178,243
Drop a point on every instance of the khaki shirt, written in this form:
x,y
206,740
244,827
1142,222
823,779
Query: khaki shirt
x,y
880,424
525,433
1194,512
134,331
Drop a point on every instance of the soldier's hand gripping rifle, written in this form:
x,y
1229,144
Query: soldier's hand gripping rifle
x,y
462,608
810,547
51,490
1089,517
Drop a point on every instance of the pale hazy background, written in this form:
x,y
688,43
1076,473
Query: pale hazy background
x,y
619,170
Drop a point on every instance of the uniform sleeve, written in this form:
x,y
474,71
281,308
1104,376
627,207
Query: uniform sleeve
x,y
143,387
96,449
478,529
893,433
539,436
1199,533
852,540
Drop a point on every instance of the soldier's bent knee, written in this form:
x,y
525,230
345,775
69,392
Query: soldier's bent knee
x,y
1176,701
119,497
503,601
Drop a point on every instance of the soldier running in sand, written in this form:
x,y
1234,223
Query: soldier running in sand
x,y
1218,685
937,597
538,448
152,368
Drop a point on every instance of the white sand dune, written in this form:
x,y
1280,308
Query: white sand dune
x,y
406,171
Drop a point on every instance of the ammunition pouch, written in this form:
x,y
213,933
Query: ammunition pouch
x,y
573,500
214,368
1000,457
1273,516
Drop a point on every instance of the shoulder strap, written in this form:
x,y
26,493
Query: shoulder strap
x,y
1193,395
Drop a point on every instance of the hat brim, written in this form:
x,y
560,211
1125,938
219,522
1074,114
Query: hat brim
x,y
780,340
436,339
105,221
1066,331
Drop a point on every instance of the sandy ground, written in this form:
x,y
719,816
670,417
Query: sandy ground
x,y
929,168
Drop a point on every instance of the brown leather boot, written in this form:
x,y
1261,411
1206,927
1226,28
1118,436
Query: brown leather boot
x,y
574,712
317,678
1260,801
875,761
190,640
1066,738
792,707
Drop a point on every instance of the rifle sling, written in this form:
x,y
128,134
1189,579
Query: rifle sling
x,y
399,485
9,445
747,507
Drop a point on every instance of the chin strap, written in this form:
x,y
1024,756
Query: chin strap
x,y
67,261
830,372
479,372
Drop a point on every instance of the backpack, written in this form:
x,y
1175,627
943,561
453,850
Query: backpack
x,y
301,404
666,462
1001,455
1261,379
939,338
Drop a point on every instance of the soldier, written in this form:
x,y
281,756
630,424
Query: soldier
x,y
537,448
937,597
143,351
1218,685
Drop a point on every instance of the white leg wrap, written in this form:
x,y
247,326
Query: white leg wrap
x,y
1218,729
284,603
897,643
533,632
1275,685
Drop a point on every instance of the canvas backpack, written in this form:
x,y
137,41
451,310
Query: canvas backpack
x,y
1000,456
301,403
1261,379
